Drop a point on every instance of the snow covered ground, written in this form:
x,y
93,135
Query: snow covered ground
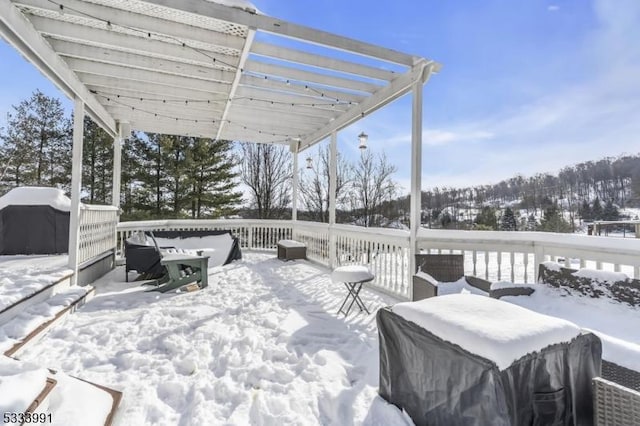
x,y
21,276
262,345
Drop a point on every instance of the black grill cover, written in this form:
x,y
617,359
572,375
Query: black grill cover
x,y
440,383
37,229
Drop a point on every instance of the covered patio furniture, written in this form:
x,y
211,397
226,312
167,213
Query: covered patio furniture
x,y
143,256
472,360
34,220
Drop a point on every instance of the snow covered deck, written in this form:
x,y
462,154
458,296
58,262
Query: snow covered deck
x,y
261,345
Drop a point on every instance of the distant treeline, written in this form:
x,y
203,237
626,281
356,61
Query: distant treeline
x,y
591,190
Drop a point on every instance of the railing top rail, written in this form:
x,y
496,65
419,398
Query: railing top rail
x,y
98,207
387,232
145,224
524,237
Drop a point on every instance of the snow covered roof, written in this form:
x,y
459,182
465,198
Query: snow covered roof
x,y
499,331
36,196
210,69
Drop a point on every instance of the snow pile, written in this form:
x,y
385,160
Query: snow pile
x,y
36,196
20,384
23,276
28,320
75,402
601,276
238,4
71,401
499,331
615,323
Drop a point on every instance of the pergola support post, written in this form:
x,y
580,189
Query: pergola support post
x,y
296,176
76,186
416,176
117,163
333,179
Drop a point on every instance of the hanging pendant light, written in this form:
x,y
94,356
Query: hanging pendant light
x,y
363,137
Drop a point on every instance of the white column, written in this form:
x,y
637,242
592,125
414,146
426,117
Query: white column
x,y
416,175
76,186
333,178
294,195
117,167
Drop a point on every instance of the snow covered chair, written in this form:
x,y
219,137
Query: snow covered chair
x,y
434,268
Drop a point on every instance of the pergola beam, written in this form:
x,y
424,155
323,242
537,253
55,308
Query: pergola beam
x,y
248,92
236,80
297,89
318,116
135,74
398,87
317,61
21,34
150,90
173,112
190,129
145,46
133,60
153,25
286,29
312,78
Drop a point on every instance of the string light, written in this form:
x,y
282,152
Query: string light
x,y
329,103
191,120
109,25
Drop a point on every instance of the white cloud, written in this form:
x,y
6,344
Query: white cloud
x,y
553,8
435,137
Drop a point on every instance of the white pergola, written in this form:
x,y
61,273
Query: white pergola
x,y
200,68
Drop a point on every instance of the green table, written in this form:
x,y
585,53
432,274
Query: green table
x,y
183,269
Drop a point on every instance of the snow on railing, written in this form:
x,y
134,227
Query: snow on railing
x,y
97,230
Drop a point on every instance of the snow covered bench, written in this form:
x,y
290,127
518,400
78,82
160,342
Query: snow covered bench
x,y
452,358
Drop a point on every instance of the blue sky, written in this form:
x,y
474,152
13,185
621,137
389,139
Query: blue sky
x,y
526,87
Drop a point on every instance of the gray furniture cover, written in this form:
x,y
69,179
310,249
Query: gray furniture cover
x,y
34,220
439,383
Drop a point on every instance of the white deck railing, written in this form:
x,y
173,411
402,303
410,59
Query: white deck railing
x,y
97,231
515,256
512,256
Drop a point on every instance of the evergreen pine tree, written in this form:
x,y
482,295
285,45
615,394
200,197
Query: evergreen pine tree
x,y
487,218
553,221
212,178
585,211
596,210
508,222
97,164
610,211
35,129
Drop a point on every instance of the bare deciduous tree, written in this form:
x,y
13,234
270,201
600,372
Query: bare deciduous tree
x,y
372,184
314,184
266,170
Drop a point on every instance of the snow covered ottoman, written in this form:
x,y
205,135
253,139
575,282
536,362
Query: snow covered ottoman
x,y
465,359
